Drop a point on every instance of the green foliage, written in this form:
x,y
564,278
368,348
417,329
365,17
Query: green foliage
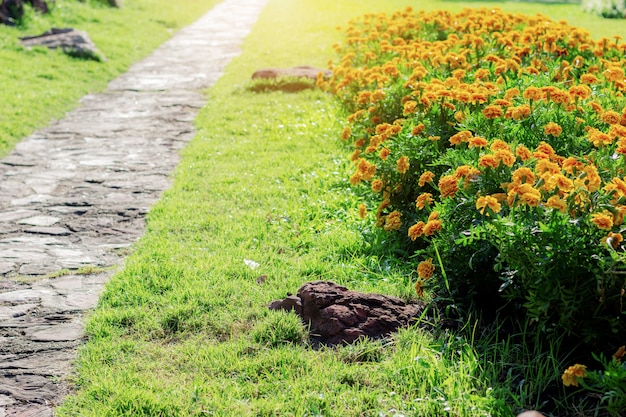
x,y
278,329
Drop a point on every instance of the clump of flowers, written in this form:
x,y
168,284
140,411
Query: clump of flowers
x,y
497,140
609,382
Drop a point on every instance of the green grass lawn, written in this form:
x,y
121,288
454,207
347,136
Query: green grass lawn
x,y
39,85
184,329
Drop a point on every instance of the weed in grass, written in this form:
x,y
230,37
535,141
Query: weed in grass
x,y
280,328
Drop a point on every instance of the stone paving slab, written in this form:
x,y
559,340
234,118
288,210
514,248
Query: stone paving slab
x,y
75,195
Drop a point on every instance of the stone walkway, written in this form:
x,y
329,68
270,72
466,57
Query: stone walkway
x,y
74,195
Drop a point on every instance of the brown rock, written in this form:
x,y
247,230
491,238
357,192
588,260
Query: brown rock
x,y
303,71
337,315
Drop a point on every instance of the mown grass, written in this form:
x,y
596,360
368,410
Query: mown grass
x,y
39,85
184,330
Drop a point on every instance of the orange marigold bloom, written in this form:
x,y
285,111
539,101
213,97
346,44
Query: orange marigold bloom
x,y
416,230
459,116
492,111
488,160
596,107
424,199
426,177
580,91
619,355
523,153
611,117
403,164
362,211
523,174
432,227
393,221
571,165
489,202
377,186
603,220
409,107
505,157
553,129
346,133
384,153
559,181
614,74
557,203
418,129
425,269
511,93
533,93
434,138
499,145
614,240
355,179
588,79
573,374
459,137
448,186
477,141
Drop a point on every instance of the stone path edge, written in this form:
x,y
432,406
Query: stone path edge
x,y
74,196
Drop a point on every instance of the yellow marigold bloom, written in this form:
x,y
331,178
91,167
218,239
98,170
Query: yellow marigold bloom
x,y
409,107
346,133
619,355
425,178
460,137
511,93
355,179
505,157
448,186
418,129
432,227
553,129
614,239
533,93
459,116
433,216
355,155
518,112
419,288
416,230
559,181
489,202
377,186
425,269
499,145
403,164
523,153
557,203
571,165
595,106
573,374
580,91
588,79
614,74
492,111
362,211
477,141
611,117
464,171
502,102
384,153
434,138
424,199
393,221
598,138
603,220
488,160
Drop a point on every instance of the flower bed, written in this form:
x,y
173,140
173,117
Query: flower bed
x,y
494,145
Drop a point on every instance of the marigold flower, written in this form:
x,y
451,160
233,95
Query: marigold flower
x,y
434,138
492,111
488,160
362,211
580,91
432,227
559,181
523,175
409,107
573,374
384,153
448,186
377,186
603,220
553,129
459,116
505,157
403,164
346,133
533,93
489,202
433,216
611,117
418,129
416,230
460,137
557,203
614,239
423,200
588,79
425,178
355,178
477,141
619,355
419,288
393,221
425,269
523,153
511,93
